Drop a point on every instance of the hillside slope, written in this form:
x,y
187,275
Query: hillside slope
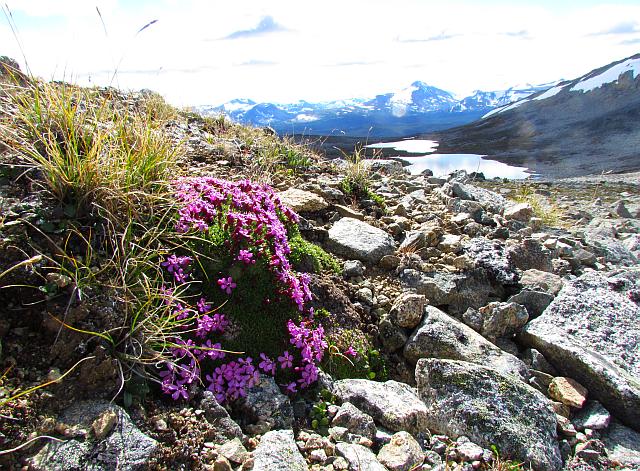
x,y
583,126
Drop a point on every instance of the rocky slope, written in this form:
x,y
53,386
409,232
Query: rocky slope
x,y
578,127
510,336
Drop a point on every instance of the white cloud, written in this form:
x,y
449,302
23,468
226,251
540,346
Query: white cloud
x,y
488,46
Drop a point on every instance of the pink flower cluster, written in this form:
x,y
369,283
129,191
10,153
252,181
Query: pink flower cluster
x,y
253,222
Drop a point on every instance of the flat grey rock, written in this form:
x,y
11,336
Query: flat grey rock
x,y
277,451
393,405
591,333
124,447
490,200
442,336
356,239
490,409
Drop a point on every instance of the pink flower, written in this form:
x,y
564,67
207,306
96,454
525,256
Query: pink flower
x,y
267,365
226,284
286,360
350,352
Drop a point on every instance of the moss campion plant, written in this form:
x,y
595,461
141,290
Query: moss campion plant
x,y
241,230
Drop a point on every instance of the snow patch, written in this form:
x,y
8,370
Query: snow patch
x,y
306,118
549,93
612,74
413,146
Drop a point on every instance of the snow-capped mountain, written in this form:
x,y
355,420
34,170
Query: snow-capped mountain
x,y
417,108
583,126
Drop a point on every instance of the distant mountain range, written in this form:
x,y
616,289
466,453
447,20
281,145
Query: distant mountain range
x,y
416,109
583,126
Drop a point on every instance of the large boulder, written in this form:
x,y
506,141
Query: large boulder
x,y
591,333
112,441
277,451
352,238
441,336
393,405
491,409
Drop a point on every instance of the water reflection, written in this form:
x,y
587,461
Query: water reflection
x,y
443,164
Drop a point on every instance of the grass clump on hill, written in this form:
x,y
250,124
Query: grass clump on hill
x,y
356,181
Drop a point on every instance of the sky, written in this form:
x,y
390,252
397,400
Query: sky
x,y
207,52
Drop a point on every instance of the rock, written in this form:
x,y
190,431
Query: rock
x,y
226,428
600,236
264,400
318,456
413,242
359,457
355,421
124,446
365,295
535,302
469,451
623,445
537,361
277,451
389,262
407,310
568,391
352,238
473,319
491,409
441,336
502,319
393,405
353,268
458,291
491,256
347,212
386,166
530,254
222,464
592,416
590,333
490,200
519,212
542,280
302,201
621,210
392,337
450,243
402,453
233,450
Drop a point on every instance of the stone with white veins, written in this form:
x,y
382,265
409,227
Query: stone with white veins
x,y
590,333
356,239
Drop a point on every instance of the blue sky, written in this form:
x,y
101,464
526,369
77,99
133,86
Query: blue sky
x,y
208,52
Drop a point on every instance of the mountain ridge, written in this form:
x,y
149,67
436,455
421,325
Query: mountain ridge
x,y
420,107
